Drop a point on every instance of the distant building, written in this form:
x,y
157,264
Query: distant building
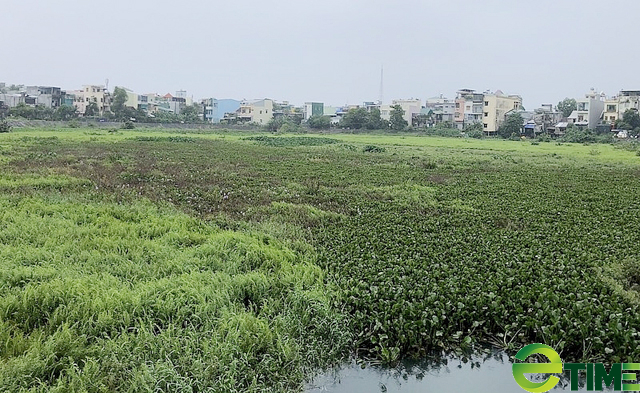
x,y
589,110
628,99
172,103
496,107
227,105
215,109
313,109
441,109
331,112
469,108
411,107
257,111
92,93
12,99
132,99
47,96
611,111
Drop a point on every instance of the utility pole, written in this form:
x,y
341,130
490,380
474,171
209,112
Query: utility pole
x,y
380,99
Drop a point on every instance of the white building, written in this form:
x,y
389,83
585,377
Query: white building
x,y
411,108
590,110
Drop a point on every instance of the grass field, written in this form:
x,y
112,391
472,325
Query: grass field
x,y
161,261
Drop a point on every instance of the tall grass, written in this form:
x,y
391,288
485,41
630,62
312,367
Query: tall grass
x,y
103,297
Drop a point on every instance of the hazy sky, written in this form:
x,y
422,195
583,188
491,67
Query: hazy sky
x,y
328,51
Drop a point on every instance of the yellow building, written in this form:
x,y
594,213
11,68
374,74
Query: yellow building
x,y
92,93
495,109
611,111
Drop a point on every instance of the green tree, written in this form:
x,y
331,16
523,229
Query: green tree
x,y
632,118
191,114
512,125
355,119
375,121
567,106
65,112
118,101
22,110
319,122
5,126
92,109
397,120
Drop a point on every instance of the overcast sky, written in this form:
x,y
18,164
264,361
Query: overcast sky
x,y
328,51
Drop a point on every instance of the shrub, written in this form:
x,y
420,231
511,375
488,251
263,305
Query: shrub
x,y
442,131
477,134
544,138
128,125
319,122
577,135
5,126
373,149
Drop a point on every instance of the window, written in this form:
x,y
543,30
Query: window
x,y
486,103
485,125
486,114
457,105
611,108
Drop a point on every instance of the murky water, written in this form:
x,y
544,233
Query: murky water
x,y
479,374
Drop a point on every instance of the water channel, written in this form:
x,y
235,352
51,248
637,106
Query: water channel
x,y
490,373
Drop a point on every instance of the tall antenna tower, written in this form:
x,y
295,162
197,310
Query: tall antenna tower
x,y
381,98
106,84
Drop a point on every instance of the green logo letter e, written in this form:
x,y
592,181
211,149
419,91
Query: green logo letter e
x,y
555,367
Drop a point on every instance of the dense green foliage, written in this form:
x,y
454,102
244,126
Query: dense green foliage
x,y
40,112
397,121
630,121
291,252
585,135
443,130
511,126
567,106
4,126
361,118
319,122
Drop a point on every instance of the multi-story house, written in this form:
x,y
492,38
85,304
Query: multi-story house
x,y
611,111
132,99
628,99
589,110
313,109
496,107
257,111
172,104
469,108
47,96
97,94
411,108
441,109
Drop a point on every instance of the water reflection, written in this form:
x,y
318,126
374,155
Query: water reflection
x,y
490,373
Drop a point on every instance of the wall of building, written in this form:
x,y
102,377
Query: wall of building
x,y
262,111
410,108
495,108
